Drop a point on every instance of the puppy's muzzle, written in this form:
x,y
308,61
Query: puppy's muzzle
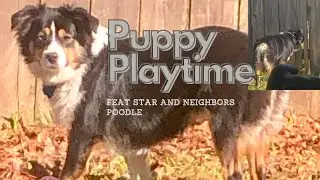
x,y
52,57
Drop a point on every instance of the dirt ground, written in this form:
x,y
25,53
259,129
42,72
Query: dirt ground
x,y
33,152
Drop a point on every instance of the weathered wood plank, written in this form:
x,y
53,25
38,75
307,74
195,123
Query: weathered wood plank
x,y
166,14
26,82
271,17
304,102
288,15
300,101
23,3
8,62
314,19
288,18
122,9
243,19
54,3
256,24
214,12
301,7
314,101
306,52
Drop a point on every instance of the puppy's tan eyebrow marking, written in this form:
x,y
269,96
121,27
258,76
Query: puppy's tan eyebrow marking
x,y
47,31
62,33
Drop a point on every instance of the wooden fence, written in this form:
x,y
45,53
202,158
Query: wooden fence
x,y
305,102
267,17
21,92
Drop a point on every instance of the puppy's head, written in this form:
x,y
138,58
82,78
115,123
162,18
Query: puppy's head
x,y
298,38
55,42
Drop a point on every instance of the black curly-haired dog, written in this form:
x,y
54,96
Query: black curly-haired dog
x,y
269,51
286,76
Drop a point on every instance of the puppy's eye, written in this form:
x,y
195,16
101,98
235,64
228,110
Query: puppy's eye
x,y
67,38
41,37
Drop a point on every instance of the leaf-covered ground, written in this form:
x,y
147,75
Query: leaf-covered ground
x,y
262,83
34,152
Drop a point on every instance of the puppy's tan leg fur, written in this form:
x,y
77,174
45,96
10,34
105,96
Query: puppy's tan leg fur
x,y
254,144
262,150
227,168
138,166
269,66
237,166
251,156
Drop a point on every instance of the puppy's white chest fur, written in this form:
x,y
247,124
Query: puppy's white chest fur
x,y
65,100
68,96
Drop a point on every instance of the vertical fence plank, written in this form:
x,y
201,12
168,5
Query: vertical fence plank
x,y
288,15
314,101
256,26
304,101
300,101
271,17
288,18
304,16
127,10
243,19
8,62
166,14
214,12
54,3
314,19
26,82
301,7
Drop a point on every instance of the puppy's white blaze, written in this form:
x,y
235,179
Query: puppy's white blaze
x,y
53,30
55,47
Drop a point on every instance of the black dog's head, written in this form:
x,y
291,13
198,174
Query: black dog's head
x,y
55,42
298,38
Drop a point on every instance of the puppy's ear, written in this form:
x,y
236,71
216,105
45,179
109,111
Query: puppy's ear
x,y
19,18
82,14
81,17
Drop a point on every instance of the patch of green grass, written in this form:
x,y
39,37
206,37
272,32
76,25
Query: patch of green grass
x,y
262,84
13,120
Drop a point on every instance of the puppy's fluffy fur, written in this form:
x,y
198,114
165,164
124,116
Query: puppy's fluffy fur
x,y
271,50
57,45
287,77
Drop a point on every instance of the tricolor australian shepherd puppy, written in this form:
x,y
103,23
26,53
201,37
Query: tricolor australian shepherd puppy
x,y
271,50
62,47
287,77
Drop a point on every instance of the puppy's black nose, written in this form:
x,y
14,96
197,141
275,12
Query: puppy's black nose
x,y
52,57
